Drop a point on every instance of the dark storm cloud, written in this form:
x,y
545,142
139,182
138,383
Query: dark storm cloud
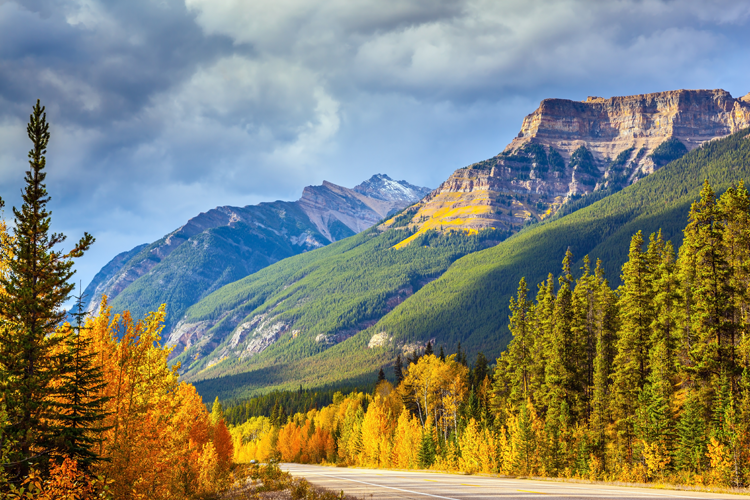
x,y
161,109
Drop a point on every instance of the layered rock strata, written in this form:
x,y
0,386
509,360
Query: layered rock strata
x,y
567,149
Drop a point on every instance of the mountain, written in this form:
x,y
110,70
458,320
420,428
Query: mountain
x,y
337,314
568,149
321,318
226,244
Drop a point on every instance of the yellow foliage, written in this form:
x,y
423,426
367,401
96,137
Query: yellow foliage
x,y
657,458
406,441
478,450
156,426
720,457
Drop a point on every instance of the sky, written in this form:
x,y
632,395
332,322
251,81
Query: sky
x,y
162,109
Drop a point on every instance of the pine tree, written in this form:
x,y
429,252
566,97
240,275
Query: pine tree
x,y
606,326
582,348
427,451
691,439
398,369
36,286
711,290
631,364
544,321
734,206
664,326
442,354
428,349
79,405
517,357
381,375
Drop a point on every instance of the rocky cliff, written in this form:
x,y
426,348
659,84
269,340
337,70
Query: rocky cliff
x,y
567,149
225,244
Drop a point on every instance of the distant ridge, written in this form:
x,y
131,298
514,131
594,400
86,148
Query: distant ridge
x,y
228,243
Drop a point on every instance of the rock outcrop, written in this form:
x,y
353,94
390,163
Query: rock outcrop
x,y
567,149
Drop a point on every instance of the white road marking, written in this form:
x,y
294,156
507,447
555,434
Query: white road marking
x,y
389,487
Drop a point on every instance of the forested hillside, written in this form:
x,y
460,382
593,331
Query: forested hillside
x,y
467,303
305,304
648,383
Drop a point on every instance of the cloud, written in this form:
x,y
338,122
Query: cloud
x,y
160,110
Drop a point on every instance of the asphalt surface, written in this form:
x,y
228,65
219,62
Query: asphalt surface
x,y
378,484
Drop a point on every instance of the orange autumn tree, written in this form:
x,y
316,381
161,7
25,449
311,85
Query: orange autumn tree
x,y
160,441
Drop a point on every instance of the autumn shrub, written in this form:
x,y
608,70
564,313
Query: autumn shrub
x,y
65,481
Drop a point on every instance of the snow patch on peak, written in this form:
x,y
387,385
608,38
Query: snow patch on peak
x,y
382,187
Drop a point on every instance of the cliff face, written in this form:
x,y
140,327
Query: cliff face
x,y
567,149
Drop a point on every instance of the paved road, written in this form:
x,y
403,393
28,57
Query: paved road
x,y
381,485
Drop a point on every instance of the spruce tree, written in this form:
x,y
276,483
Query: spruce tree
x,y
398,369
79,403
427,451
630,367
557,373
606,327
517,358
690,453
36,285
711,290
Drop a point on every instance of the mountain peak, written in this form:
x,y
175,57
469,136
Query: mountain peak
x,y
382,187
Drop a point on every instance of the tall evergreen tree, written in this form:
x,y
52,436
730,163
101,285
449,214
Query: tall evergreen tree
x,y
606,322
36,285
557,369
690,453
79,402
398,369
707,283
480,371
631,363
517,357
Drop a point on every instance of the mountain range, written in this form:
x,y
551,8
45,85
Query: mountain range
x,y
226,244
582,176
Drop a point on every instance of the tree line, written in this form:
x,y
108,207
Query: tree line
x,y
646,382
89,406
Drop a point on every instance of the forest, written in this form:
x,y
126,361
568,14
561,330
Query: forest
x,y
646,382
89,405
